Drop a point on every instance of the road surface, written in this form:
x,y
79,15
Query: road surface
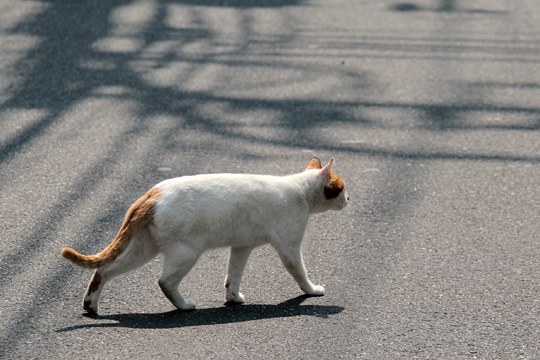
x,y
431,109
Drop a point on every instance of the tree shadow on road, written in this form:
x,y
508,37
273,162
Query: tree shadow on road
x,y
443,6
243,3
211,316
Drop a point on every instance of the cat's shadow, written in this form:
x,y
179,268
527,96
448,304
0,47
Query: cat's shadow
x,y
211,316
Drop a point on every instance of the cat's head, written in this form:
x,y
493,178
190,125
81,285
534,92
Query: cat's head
x,y
333,195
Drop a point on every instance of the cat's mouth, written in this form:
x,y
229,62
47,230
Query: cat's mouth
x,y
345,202
342,206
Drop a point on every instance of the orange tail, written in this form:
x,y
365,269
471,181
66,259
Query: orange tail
x,y
140,214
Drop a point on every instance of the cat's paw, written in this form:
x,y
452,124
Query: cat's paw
x,y
317,290
90,308
236,298
188,305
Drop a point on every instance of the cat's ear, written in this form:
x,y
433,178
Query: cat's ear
x,y
314,163
335,183
326,171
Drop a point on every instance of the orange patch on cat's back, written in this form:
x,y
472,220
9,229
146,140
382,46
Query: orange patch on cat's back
x,y
335,186
144,209
140,214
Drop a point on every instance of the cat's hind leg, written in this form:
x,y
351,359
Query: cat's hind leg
x,y
176,265
93,291
140,250
237,262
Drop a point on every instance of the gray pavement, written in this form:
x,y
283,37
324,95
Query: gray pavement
x,y
430,107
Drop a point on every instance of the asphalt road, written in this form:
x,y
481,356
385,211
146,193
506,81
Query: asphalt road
x,y
431,109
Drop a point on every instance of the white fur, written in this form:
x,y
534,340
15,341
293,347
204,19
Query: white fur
x,y
197,213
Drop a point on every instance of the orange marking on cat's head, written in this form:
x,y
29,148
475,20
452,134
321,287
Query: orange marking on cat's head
x,y
314,163
334,183
335,186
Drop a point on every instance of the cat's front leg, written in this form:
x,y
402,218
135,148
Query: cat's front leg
x,y
291,256
237,262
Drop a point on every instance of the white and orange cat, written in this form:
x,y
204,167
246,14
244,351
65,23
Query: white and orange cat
x,y
181,218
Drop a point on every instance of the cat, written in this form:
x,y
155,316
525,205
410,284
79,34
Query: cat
x,y
182,217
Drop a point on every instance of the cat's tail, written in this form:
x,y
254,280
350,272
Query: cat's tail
x,y
140,214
